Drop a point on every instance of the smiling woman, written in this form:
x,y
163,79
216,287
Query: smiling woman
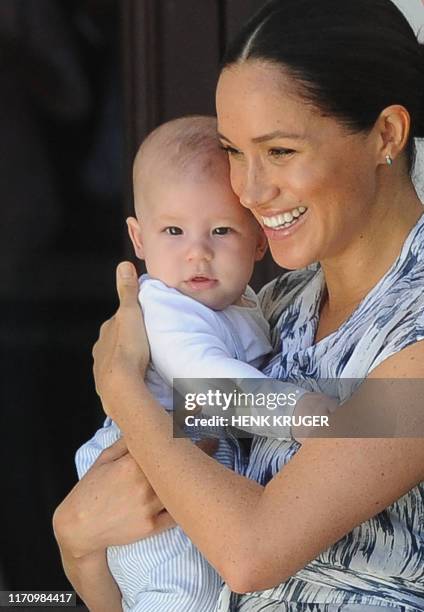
x,y
319,131
313,125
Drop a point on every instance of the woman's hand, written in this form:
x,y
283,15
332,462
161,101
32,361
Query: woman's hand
x,y
121,354
112,504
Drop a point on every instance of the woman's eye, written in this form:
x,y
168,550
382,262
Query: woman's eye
x,y
221,231
172,230
279,152
231,151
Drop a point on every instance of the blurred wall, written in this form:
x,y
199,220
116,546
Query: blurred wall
x,y
62,231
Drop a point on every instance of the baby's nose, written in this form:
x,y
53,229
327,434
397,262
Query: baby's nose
x,y
200,250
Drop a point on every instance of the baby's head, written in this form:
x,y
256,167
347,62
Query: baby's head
x,y
190,228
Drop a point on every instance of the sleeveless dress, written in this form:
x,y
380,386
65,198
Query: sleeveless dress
x,y
380,564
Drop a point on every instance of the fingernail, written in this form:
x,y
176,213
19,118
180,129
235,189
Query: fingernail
x,y
125,270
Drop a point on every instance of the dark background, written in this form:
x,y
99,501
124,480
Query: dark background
x,y
81,83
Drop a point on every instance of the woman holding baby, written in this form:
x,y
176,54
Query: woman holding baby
x,y
318,106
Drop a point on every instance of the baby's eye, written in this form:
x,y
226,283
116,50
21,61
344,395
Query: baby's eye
x,y
222,231
279,152
172,230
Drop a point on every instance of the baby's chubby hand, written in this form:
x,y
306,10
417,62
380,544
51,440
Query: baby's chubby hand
x,y
121,353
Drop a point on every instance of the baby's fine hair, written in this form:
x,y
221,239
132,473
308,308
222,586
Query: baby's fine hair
x,y
182,145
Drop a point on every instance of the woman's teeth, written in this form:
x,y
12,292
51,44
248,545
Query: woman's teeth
x,y
285,219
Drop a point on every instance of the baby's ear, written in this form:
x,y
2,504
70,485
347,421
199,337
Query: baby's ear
x,y
134,232
261,245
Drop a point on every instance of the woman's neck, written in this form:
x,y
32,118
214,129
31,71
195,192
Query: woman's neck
x,y
352,274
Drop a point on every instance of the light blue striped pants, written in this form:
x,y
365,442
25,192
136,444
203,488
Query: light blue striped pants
x,y
166,572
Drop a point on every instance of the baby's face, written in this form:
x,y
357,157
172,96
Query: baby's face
x,y
197,238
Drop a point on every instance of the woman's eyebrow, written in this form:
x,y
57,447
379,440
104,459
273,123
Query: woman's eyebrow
x,y
277,134
270,136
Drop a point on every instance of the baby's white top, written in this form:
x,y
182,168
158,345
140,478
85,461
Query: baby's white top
x,y
190,340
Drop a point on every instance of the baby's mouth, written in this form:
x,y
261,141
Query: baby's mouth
x,y
201,282
200,278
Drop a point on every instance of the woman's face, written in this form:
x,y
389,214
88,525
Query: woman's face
x,y
309,182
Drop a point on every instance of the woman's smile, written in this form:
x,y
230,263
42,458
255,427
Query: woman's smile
x,y
285,219
284,225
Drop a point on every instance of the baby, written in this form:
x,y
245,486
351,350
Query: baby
x,y
203,321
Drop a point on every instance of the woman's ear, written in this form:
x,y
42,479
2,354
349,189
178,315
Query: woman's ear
x,y
134,232
393,126
261,245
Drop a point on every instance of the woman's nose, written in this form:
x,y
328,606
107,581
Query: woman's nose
x,y
256,189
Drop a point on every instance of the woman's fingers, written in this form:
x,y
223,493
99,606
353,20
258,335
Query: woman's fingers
x,y
112,504
102,352
130,325
164,521
113,452
127,284
122,349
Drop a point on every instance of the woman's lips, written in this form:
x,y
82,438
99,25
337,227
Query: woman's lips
x,y
199,283
285,232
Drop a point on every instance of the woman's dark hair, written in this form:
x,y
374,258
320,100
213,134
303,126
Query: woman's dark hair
x,y
352,58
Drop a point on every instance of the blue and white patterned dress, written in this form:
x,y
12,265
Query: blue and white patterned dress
x,y
380,564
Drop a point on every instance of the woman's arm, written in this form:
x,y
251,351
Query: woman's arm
x,y
92,580
328,488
